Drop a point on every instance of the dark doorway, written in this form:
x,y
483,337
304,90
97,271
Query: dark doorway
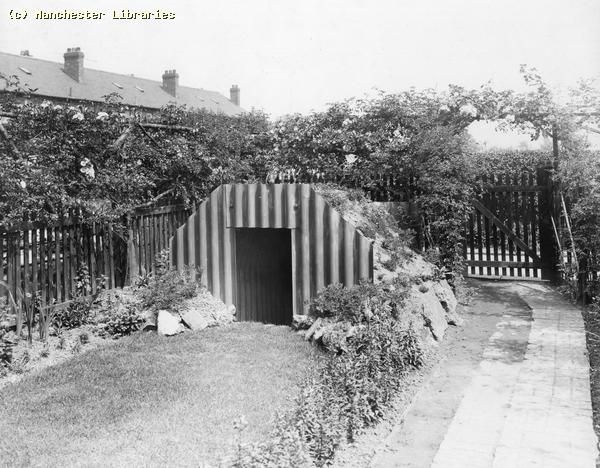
x,y
264,275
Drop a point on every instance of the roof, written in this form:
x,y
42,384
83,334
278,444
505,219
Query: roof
x,y
48,79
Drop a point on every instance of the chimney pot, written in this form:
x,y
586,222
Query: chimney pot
x,y
74,63
234,94
25,53
170,81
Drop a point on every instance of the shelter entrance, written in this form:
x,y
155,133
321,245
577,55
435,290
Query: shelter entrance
x,y
263,260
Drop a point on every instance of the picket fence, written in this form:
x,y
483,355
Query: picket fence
x,y
45,260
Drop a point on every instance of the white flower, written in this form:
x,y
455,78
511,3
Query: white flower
x,y
44,104
78,116
444,108
23,184
102,116
351,159
57,107
88,171
468,109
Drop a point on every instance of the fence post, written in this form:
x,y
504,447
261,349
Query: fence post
x,y
132,260
548,251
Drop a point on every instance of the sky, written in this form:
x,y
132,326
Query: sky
x,y
297,56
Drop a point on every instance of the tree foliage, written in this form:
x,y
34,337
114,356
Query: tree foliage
x,y
102,162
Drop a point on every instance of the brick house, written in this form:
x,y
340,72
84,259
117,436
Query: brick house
x,y
71,81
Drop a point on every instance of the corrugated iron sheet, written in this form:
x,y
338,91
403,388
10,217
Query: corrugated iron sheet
x,y
326,248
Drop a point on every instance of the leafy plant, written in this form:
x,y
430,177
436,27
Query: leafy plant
x,y
123,321
167,287
354,387
77,313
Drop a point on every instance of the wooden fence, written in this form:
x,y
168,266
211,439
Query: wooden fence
x,y
46,259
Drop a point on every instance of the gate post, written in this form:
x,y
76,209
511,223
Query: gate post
x,y
546,209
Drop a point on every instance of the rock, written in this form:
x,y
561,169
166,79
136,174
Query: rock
x,y
313,328
444,293
301,322
149,320
454,319
195,320
429,307
231,310
168,324
319,333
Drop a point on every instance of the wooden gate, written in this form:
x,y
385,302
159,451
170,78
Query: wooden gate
x,y
509,233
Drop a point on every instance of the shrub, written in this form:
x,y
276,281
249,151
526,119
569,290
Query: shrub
x,y
19,365
78,311
45,351
167,287
123,321
284,449
6,351
355,386
62,341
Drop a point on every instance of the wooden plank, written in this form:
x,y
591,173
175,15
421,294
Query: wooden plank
x,y
472,238
111,256
158,210
505,230
25,259
3,252
487,228
533,205
106,259
72,257
160,232
58,265
495,236
511,226
518,221
43,267
50,245
479,240
526,221
93,256
35,286
65,264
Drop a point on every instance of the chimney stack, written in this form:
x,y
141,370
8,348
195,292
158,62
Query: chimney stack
x,y
170,80
234,94
25,53
74,63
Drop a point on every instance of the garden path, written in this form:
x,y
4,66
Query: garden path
x,y
519,398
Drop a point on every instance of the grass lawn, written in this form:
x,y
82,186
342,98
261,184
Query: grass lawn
x,y
150,400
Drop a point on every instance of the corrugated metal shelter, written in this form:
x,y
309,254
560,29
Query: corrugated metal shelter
x,y
269,248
